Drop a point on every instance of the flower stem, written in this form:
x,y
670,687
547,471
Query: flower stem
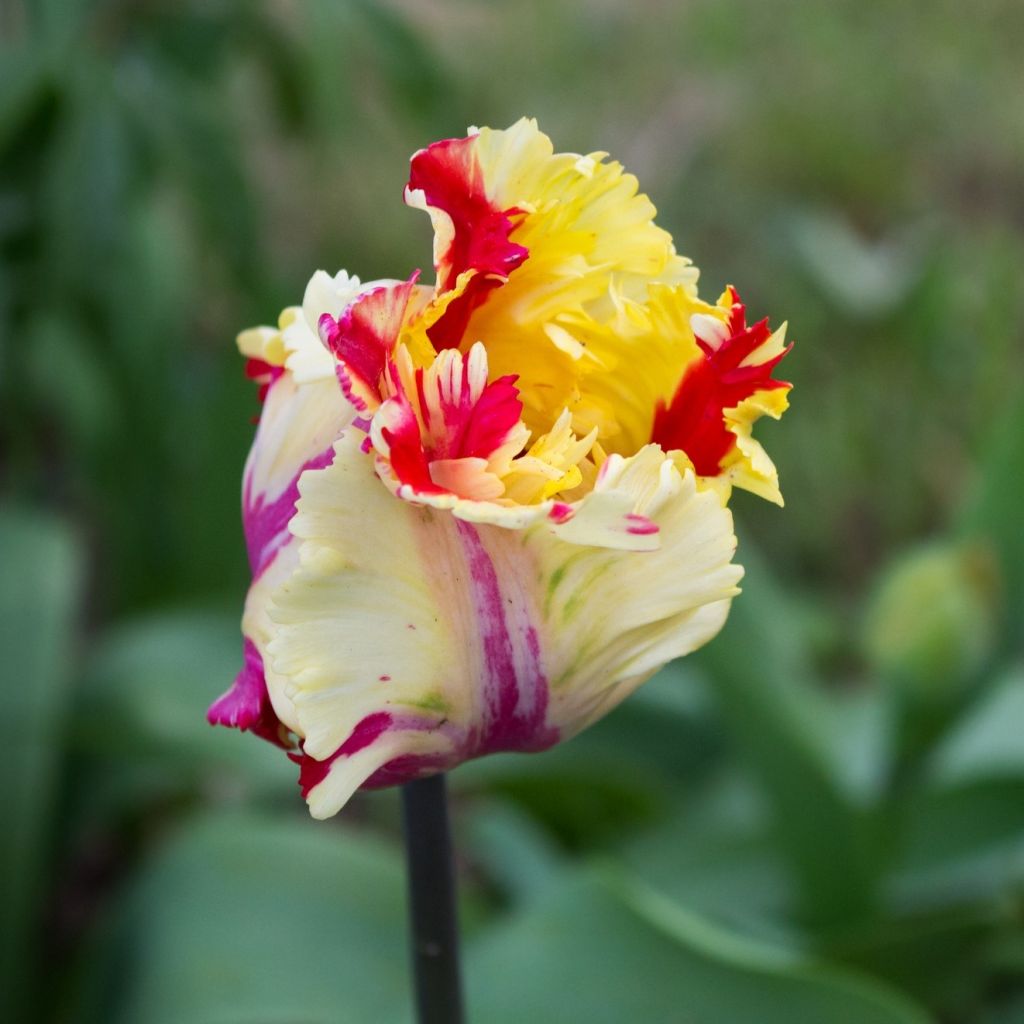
x,y
432,911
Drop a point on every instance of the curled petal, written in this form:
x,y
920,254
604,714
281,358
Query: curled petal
x,y
303,414
363,337
471,230
247,704
553,464
296,432
413,640
307,359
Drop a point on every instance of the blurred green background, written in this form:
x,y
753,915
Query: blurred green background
x,y
817,820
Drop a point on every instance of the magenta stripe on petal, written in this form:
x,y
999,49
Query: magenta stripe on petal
x,y
246,705
313,772
640,526
514,691
266,522
514,685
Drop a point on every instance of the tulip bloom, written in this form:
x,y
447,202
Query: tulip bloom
x,y
480,513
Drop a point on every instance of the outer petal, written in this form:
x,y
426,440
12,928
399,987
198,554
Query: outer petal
x,y
299,424
412,640
363,337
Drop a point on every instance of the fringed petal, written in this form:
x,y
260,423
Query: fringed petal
x,y
413,640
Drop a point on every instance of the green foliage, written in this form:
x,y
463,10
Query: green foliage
x,y
38,631
818,818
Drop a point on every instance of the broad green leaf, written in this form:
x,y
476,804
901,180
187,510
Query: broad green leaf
x,y
715,856
512,849
147,690
935,955
39,589
760,676
604,950
988,742
963,827
242,919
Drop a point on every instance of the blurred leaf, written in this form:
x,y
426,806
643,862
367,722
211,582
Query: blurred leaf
x,y
23,84
865,279
605,950
963,844
411,70
715,857
242,919
988,741
516,853
1009,1011
762,679
993,509
193,146
937,956
149,685
862,734
80,397
963,827
39,589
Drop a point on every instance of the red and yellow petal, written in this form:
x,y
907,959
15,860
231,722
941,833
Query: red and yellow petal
x,y
723,389
446,429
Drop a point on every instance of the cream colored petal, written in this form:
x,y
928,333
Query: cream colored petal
x,y
471,638
257,627
298,423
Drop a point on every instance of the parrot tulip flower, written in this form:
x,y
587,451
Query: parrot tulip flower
x,y
479,514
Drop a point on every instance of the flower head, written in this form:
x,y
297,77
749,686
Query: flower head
x,y
479,514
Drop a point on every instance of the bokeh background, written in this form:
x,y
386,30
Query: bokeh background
x,y
819,819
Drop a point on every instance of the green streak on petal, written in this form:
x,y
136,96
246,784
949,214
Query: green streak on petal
x,y
555,578
582,591
431,702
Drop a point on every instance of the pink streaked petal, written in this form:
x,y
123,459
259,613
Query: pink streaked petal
x,y
560,512
363,337
449,176
485,426
444,442
640,526
265,523
247,706
399,436
313,772
475,417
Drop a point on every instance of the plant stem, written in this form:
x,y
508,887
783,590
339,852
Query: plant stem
x,y
432,912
